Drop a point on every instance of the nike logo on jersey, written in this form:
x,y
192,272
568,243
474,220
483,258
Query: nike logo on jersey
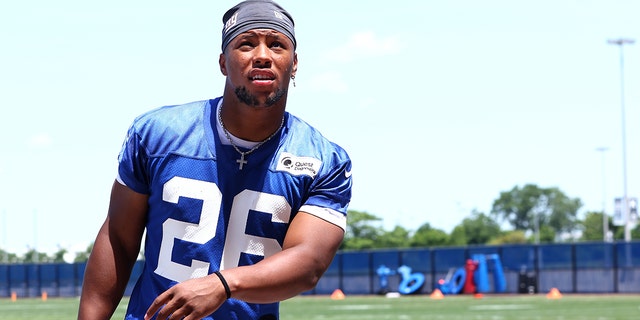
x,y
298,165
347,174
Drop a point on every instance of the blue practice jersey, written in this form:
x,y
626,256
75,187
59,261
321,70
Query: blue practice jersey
x,y
205,214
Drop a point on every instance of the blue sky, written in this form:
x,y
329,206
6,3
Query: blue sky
x,y
442,105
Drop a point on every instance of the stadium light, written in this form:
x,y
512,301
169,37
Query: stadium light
x,y
625,198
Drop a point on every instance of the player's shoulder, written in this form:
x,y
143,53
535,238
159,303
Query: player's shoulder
x,y
307,139
174,128
173,115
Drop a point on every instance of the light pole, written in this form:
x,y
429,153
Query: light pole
x,y
4,237
605,218
625,198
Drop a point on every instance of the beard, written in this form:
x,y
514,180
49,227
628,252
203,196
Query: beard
x,y
250,99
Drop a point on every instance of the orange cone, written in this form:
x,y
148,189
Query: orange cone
x,y
337,295
437,294
478,295
45,295
14,296
554,294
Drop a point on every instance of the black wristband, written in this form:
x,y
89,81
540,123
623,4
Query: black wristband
x,y
224,284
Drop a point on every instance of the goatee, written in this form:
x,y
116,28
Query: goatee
x,y
249,99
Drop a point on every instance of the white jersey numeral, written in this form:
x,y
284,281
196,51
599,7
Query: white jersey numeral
x,y
199,233
236,242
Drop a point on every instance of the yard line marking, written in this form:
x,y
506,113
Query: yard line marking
x,y
502,307
361,307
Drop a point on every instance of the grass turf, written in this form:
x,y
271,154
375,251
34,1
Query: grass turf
x,y
489,307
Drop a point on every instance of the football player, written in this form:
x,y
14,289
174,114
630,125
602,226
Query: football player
x,y
241,203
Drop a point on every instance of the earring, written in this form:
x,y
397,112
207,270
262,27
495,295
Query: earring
x,y
293,77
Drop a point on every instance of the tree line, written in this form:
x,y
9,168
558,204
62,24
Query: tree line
x,y
532,213
33,256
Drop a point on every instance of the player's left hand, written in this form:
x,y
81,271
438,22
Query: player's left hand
x,y
190,300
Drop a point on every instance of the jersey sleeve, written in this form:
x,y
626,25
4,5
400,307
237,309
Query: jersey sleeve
x,y
331,192
156,133
132,162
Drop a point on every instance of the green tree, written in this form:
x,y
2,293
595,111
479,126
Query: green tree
x,y
4,256
530,207
478,229
84,255
458,236
361,233
33,256
426,236
563,210
618,232
58,257
396,238
517,205
592,226
510,237
7,257
546,234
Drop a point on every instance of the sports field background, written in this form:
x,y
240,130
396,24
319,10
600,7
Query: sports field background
x,y
489,307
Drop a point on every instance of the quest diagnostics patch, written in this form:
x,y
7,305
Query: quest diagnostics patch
x,y
298,165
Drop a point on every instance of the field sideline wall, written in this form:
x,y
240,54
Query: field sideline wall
x,y
594,267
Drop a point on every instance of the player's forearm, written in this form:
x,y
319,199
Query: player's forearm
x,y
308,250
94,306
101,291
276,278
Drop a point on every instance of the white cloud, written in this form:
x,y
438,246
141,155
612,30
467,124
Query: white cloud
x,y
330,81
366,103
40,140
365,44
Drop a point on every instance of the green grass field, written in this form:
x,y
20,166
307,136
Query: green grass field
x,y
490,307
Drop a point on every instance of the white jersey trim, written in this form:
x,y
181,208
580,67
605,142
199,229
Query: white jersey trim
x,y
119,179
223,136
327,214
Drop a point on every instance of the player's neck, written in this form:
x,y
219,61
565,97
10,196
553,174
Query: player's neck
x,y
251,123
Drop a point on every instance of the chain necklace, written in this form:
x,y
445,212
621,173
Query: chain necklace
x,y
241,162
